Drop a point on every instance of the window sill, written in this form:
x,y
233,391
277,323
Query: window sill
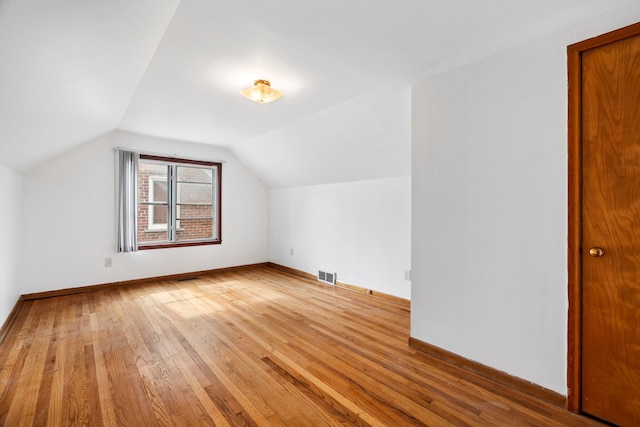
x,y
178,245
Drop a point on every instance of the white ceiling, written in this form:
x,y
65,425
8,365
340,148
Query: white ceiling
x,y
72,70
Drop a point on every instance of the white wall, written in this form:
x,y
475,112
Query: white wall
x,y
10,188
360,230
489,238
368,137
69,218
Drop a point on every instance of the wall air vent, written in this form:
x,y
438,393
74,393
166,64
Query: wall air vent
x,y
326,277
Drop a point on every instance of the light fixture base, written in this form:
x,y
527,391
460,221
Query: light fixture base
x,y
261,92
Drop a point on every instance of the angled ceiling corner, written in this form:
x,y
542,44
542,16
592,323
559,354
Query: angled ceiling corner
x,y
70,71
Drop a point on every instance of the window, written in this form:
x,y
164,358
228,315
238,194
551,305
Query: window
x,y
178,202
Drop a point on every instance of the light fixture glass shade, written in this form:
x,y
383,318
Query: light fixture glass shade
x,y
261,92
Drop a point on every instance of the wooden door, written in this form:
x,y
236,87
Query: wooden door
x,y
610,237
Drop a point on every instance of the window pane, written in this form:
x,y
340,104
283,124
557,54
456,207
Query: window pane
x,y
153,209
152,223
148,175
159,216
195,221
195,193
195,200
195,174
152,236
195,212
158,190
194,229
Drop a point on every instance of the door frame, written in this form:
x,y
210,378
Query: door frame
x,y
574,256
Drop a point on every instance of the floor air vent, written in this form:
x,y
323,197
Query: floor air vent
x,y
326,277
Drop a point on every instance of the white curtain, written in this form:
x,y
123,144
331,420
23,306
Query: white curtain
x,y
127,200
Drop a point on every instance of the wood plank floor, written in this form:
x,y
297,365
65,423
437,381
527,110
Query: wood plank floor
x,y
252,347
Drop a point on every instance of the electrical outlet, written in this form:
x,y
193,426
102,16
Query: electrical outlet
x,y
291,252
407,275
108,262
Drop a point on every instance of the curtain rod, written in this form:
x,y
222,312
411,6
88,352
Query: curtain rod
x,y
151,153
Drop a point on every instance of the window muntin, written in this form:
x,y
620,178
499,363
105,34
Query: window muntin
x,y
179,202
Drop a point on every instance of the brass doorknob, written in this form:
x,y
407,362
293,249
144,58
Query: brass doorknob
x,y
596,252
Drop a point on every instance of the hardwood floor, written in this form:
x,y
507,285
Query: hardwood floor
x,y
250,347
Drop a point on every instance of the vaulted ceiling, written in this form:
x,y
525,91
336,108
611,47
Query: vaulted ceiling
x,y
72,70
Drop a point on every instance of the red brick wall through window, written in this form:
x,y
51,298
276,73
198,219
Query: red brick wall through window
x,y
194,221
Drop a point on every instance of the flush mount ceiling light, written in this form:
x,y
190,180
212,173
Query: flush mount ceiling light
x,y
261,92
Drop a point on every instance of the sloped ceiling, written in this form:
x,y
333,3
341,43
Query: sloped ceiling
x,y
68,70
72,70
